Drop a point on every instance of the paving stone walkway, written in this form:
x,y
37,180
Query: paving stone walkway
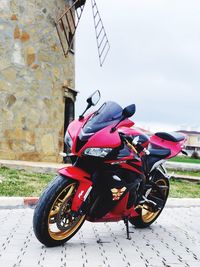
x,y
174,240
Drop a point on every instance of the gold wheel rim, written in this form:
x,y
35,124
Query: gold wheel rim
x,y
61,223
148,215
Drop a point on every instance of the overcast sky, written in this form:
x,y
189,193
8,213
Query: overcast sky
x,y
154,59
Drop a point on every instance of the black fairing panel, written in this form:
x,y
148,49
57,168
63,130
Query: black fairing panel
x,y
143,139
155,156
124,152
102,195
160,153
173,136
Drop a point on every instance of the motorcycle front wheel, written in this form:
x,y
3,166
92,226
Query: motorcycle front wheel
x,y
147,215
53,220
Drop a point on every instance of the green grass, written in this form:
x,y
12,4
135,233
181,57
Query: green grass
x,y
181,188
22,183
186,173
185,159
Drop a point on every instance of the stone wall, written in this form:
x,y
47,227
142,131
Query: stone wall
x,y
33,71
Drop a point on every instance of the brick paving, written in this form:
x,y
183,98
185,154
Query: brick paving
x,y
174,240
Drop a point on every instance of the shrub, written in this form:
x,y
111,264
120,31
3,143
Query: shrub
x,y
195,155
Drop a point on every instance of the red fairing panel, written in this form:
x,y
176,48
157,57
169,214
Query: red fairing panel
x,y
118,213
120,208
74,173
84,184
175,147
106,138
103,138
130,131
127,123
74,129
131,168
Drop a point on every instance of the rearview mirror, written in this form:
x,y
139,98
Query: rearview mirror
x,y
94,98
129,111
126,113
92,101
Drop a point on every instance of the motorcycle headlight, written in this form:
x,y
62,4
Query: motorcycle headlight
x,y
68,140
97,152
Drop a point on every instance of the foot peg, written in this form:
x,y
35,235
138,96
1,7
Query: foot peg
x,y
151,203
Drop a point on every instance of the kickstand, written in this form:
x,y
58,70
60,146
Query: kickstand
x,y
127,228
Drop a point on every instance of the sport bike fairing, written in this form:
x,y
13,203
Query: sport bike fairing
x,y
95,129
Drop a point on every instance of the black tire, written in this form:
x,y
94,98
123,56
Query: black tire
x,y
53,209
143,220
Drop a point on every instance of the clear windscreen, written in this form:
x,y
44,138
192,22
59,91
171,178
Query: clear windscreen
x,y
109,113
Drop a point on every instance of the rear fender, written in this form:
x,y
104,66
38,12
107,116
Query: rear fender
x,y
84,187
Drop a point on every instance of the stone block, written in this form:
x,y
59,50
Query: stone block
x,y
7,154
30,56
17,32
47,144
35,66
30,156
4,86
10,100
56,73
9,74
32,120
4,62
6,116
24,37
44,57
17,54
13,17
30,137
39,75
27,147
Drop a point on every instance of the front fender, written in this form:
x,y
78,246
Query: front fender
x,y
84,187
74,173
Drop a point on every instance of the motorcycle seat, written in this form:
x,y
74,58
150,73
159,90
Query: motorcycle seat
x,y
160,153
173,136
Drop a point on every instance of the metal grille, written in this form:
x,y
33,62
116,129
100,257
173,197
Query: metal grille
x,y
103,45
67,24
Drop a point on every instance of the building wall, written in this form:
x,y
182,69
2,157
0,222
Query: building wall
x,y
193,140
33,71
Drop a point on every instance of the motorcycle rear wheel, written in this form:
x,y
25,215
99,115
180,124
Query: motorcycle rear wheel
x,y
53,221
146,215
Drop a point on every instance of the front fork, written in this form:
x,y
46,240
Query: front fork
x,y
83,190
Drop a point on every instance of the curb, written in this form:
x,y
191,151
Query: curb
x,y
29,166
30,202
185,177
18,202
182,166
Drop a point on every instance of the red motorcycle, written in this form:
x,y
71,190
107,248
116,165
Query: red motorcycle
x,y
116,174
